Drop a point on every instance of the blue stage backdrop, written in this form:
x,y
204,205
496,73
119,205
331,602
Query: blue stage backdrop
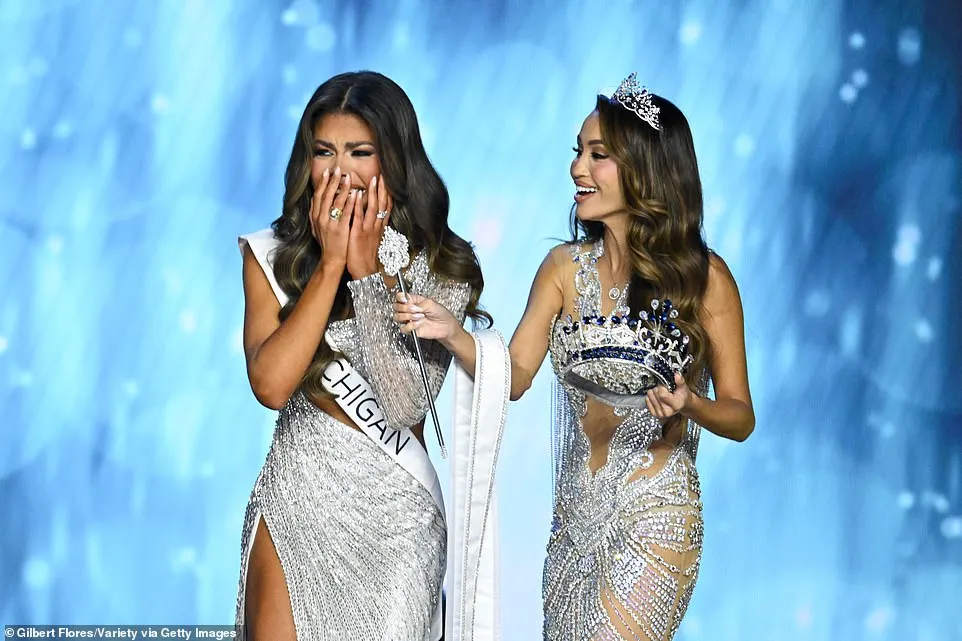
x,y
137,140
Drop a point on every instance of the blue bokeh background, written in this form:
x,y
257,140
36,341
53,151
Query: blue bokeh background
x,y
137,140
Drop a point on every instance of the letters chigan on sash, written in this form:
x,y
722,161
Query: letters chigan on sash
x,y
480,405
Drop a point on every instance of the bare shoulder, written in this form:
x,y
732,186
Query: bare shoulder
x,y
718,270
556,266
721,294
560,258
548,281
560,254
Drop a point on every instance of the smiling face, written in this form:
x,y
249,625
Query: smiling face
x,y
598,186
344,140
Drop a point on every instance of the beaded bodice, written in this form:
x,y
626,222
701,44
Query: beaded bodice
x,y
636,429
617,536
343,335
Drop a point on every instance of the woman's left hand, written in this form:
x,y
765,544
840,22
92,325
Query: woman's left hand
x,y
664,404
367,228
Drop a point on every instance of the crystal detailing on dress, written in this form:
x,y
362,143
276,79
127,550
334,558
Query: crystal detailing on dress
x,y
361,542
624,354
386,357
627,536
616,358
588,282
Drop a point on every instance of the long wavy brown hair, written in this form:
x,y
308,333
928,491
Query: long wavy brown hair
x,y
420,197
658,172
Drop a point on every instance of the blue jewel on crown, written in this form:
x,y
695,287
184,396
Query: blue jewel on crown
x,y
641,351
555,523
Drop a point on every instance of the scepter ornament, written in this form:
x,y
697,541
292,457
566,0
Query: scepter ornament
x,y
394,255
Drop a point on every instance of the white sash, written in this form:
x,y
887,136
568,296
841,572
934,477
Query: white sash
x,y
473,608
475,614
356,398
263,244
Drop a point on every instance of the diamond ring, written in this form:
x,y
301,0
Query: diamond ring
x,y
381,215
335,213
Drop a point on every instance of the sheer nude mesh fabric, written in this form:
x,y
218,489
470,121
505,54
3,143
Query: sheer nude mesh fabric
x,y
626,536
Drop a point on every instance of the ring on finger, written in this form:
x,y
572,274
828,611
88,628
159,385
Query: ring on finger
x,y
335,213
381,215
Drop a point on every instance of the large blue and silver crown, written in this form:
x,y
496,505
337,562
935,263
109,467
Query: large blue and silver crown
x,y
633,97
618,358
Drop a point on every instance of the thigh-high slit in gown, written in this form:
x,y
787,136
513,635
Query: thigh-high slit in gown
x,y
361,543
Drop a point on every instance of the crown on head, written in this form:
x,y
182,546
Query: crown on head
x,y
625,355
636,98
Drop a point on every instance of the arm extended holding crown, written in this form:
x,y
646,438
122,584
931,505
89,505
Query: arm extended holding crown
x,y
729,415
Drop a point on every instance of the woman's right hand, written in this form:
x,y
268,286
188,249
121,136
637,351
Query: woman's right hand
x,y
332,233
430,319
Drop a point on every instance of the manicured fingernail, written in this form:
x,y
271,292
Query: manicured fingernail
x,y
327,172
415,308
373,182
419,316
337,171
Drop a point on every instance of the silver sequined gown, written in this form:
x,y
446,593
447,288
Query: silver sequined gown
x,y
361,543
626,541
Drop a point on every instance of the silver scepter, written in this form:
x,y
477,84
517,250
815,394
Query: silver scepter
x,y
394,255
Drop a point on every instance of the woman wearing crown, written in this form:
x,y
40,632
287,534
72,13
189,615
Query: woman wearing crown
x,y
640,316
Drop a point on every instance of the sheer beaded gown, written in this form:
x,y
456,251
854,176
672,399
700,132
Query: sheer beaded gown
x,y
626,536
361,543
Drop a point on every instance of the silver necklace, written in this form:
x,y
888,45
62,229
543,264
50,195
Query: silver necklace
x,y
617,293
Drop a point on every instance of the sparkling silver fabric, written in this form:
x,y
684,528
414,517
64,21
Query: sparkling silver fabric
x,y
361,543
607,379
386,357
625,542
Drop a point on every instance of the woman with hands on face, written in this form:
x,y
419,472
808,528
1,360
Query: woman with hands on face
x,y
340,541
351,236
625,544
